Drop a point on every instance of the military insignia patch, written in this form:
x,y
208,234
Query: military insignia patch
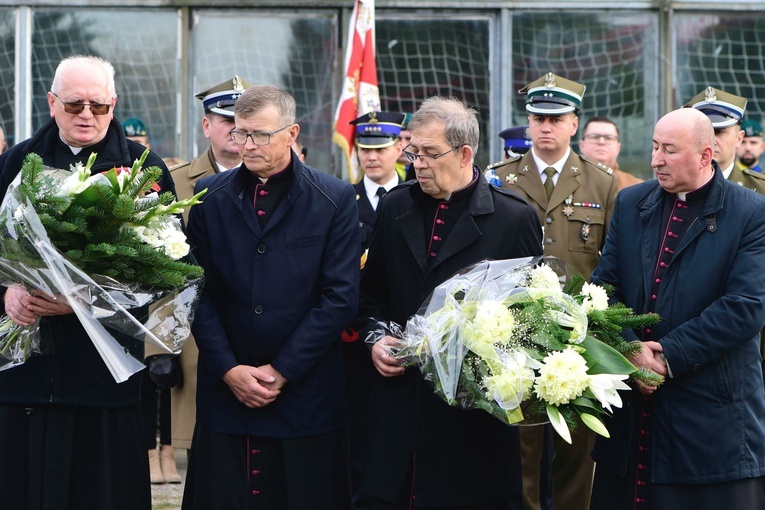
x,y
511,178
586,232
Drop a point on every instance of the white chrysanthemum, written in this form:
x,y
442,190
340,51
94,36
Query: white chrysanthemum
x,y
77,182
164,234
493,324
595,297
562,378
543,277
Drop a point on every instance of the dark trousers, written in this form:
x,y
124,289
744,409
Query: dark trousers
x,y
55,457
408,501
613,493
239,472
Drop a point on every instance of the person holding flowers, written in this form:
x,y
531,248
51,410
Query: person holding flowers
x,y
687,246
422,452
73,436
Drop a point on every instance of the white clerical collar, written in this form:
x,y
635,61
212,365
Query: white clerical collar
x,y
682,195
727,171
558,165
75,150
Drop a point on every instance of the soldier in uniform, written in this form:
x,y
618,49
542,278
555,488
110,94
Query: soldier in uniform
x,y
752,146
726,111
574,198
378,147
222,155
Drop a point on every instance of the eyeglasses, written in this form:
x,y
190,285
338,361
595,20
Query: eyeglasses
x,y
77,107
412,157
605,138
258,138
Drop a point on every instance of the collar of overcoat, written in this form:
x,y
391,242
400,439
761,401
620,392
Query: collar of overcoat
x,y
463,234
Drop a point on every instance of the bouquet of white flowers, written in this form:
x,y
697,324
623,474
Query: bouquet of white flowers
x,y
523,341
110,245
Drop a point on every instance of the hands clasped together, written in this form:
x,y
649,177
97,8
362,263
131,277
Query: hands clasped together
x,y
650,358
255,386
24,307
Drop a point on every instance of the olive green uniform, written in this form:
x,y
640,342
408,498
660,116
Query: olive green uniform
x,y
575,220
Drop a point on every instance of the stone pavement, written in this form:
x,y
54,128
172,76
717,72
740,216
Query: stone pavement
x,y
168,496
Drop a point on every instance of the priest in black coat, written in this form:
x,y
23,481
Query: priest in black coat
x,y
422,452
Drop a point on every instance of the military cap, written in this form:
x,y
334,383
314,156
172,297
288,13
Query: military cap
x,y
552,95
516,139
722,108
751,128
376,130
221,98
134,127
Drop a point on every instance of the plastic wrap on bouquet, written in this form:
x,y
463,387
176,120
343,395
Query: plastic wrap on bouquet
x,y
504,337
28,259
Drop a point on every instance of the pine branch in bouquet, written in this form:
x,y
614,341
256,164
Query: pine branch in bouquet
x,y
112,224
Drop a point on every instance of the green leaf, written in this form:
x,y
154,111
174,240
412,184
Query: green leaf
x,y
604,359
594,424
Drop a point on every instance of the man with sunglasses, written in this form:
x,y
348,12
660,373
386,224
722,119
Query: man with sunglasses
x,y
422,452
74,436
279,242
574,198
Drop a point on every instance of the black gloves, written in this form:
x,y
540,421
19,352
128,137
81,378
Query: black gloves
x,y
165,370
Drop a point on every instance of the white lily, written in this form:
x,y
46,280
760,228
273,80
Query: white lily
x,y
605,388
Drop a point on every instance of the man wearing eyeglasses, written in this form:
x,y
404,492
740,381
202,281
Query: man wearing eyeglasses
x,y
279,242
422,452
600,143
574,198
74,436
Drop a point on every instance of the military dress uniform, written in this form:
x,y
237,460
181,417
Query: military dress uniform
x,y
575,220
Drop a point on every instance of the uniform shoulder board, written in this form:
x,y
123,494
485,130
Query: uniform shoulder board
x,y
752,173
605,168
500,164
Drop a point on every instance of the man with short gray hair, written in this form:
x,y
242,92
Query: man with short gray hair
x,y
279,242
422,452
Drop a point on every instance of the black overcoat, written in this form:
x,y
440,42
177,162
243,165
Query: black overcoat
x,y
462,457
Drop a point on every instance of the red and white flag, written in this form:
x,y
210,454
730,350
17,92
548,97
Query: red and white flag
x,y
360,93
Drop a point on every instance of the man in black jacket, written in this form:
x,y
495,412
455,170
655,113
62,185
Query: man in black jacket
x,y
423,453
74,436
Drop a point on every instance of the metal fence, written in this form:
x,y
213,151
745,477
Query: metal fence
x,y
637,60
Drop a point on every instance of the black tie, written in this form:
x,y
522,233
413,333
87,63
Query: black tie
x,y
381,192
